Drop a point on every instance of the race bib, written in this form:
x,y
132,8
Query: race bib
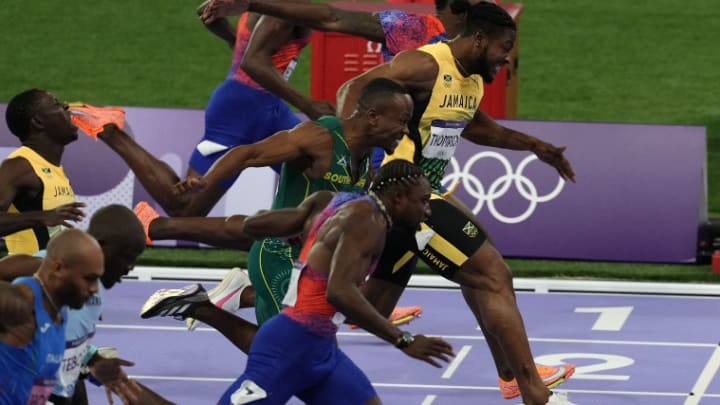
x,y
290,298
290,69
41,390
70,368
444,138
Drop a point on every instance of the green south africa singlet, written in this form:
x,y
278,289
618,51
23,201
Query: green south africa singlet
x,y
271,260
294,186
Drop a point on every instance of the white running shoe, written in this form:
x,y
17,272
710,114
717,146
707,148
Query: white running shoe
x,y
559,398
226,295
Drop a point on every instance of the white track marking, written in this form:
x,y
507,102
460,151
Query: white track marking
x,y
429,400
706,377
448,337
455,363
610,319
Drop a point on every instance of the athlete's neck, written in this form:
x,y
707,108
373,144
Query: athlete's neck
x,y
50,151
356,137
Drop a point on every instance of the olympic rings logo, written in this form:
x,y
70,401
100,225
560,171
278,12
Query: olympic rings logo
x,y
498,188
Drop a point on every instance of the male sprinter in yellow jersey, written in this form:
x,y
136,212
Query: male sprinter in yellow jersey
x,y
35,195
445,81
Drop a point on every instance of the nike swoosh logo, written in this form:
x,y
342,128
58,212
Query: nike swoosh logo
x,y
44,328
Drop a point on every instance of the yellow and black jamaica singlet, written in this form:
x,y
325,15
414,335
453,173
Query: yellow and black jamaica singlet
x,y
56,191
438,121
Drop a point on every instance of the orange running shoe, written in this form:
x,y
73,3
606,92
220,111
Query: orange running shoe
x,y
146,214
400,316
551,376
92,120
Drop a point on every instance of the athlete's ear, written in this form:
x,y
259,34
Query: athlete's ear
x,y
372,116
36,123
481,40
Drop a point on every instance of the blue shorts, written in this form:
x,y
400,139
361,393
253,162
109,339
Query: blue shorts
x,y
287,359
239,115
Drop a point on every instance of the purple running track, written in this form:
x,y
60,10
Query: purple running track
x,y
629,349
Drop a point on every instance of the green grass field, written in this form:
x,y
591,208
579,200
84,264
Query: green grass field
x,y
610,61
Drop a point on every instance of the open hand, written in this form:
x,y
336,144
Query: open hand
x,y
428,349
191,185
217,9
553,156
64,213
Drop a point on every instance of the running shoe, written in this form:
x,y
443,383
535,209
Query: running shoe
x,y
551,376
226,295
558,398
146,214
92,120
178,303
400,316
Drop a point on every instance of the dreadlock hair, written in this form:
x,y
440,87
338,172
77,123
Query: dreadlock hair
x,y
397,173
377,92
20,111
485,17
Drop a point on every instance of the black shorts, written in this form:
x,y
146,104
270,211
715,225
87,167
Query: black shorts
x,y
453,238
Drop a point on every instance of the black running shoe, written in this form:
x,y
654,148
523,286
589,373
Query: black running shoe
x,y
178,303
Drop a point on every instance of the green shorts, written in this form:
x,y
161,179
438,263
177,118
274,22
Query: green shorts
x,y
270,263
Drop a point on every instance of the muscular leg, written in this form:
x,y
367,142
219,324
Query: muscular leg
x,y
487,287
158,178
237,330
222,232
470,295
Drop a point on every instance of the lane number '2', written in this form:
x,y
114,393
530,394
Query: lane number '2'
x,y
591,371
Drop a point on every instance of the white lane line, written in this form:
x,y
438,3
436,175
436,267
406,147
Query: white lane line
x,y
429,400
455,363
440,387
706,377
449,337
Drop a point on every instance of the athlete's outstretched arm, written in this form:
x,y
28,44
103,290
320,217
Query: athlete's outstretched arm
x,y
226,232
318,16
220,27
269,35
483,130
306,140
415,70
18,265
361,240
287,222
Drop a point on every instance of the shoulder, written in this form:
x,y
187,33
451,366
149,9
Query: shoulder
x,y
415,65
363,214
25,291
19,172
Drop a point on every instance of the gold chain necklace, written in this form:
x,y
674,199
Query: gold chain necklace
x,y
50,300
382,208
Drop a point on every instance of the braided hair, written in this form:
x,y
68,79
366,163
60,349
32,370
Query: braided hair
x,y
397,173
20,111
485,17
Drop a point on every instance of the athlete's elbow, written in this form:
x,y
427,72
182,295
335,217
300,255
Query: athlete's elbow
x,y
250,66
336,297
